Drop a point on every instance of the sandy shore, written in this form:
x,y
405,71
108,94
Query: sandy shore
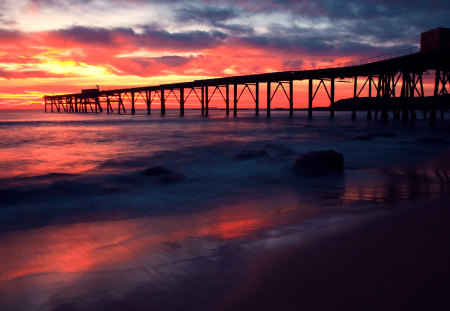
x,y
399,261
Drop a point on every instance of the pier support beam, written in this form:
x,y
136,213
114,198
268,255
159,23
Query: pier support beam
x,y
411,104
355,96
97,105
291,98
163,103
227,99
437,81
404,94
133,110
181,101
257,99
386,96
235,100
369,105
310,98
203,100
442,79
148,100
108,104
207,100
269,98
332,98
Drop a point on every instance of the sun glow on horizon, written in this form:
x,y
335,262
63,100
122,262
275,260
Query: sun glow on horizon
x,y
47,48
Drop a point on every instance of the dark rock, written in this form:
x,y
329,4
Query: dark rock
x,y
251,154
319,163
375,135
278,150
433,140
163,174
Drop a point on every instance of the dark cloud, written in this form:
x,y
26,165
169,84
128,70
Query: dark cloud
x,y
60,3
173,61
151,38
209,14
372,26
317,43
330,29
87,35
16,74
191,40
236,29
353,22
8,35
170,61
293,64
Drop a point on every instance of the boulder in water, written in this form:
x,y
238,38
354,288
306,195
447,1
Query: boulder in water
x,y
372,136
319,164
278,150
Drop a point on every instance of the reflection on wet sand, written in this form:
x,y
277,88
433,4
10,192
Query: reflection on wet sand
x,y
57,255
396,186
65,262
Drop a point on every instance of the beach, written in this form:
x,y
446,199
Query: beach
x,y
108,212
390,262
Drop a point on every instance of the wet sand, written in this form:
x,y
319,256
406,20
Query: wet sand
x,y
398,261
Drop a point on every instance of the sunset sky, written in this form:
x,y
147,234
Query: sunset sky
x,y
62,46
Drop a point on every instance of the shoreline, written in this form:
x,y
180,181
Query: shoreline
x,y
397,261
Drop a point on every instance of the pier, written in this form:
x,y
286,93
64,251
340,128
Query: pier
x,y
391,83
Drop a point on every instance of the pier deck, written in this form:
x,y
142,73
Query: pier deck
x,y
394,78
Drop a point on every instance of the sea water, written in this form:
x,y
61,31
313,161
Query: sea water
x,y
84,227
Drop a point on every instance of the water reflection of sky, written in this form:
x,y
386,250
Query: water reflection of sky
x,y
231,208
37,264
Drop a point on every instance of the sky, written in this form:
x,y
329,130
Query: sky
x,y
62,46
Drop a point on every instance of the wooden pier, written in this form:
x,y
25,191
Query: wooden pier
x,y
398,78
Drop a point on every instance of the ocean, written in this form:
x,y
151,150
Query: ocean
x,y
138,212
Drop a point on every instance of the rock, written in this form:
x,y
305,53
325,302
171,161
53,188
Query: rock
x,y
433,140
163,174
375,135
278,150
251,154
319,163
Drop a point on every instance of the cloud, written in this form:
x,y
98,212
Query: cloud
x,y
210,14
293,64
173,61
7,35
147,38
87,35
151,37
6,74
190,40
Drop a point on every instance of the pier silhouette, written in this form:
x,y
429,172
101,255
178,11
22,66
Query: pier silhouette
x,y
392,81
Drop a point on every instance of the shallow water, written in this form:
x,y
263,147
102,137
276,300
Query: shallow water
x,y
81,226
